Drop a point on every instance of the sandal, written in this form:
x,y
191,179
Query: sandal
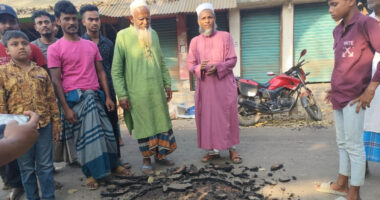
x,y
92,184
326,188
124,164
166,162
147,169
235,157
209,157
121,171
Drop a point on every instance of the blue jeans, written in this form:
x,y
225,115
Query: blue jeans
x,y
10,172
38,162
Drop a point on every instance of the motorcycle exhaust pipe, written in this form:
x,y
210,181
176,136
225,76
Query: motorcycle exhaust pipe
x,y
252,105
246,103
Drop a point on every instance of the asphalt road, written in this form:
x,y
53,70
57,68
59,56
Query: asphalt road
x,y
307,153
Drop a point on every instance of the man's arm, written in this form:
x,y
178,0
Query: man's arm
x,y
55,73
103,82
372,32
54,111
192,63
166,77
18,139
118,74
224,68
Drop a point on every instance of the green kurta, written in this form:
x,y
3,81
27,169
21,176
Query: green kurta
x,y
140,75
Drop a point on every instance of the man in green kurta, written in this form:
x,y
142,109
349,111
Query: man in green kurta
x,y
142,84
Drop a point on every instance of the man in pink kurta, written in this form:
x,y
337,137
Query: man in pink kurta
x,y
211,58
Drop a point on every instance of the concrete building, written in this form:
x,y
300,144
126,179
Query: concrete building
x,y
268,35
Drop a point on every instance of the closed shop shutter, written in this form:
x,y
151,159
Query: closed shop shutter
x,y
313,27
167,33
260,43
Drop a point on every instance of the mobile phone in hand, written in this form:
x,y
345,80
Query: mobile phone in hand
x,y
6,118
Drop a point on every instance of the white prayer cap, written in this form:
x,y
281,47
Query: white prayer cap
x,y
137,3
204,6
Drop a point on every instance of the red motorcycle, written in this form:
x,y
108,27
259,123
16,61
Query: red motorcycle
x,y
280,94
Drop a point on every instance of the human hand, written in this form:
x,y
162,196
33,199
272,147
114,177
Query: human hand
x,y
33,119
125,104
204,64
328,96
70,116
110,104
364,100
211,71
27,132
18,139
56,132
169,94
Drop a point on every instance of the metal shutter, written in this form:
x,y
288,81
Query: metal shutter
x,y
260,46
167,33
313,27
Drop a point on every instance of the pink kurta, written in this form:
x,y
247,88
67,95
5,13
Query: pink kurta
x,y
216,111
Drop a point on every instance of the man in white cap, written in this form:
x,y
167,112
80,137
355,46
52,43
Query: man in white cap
x,y
143,86
211,58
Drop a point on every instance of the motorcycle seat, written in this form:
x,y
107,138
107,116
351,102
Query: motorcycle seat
x,y
265,85
253,82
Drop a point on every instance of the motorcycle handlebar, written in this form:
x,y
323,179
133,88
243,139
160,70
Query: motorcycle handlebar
x,y
295,67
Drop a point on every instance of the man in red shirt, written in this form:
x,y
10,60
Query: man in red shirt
x,y
8,21
356,38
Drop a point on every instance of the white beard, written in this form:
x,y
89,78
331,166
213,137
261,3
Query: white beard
x,y
208,32
145,36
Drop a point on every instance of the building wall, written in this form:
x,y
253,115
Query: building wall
x,y
235,31
287,22
184,94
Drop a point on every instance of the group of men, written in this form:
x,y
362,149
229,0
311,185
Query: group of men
x,y
88,73
71,83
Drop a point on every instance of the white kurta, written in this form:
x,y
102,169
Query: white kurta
x,y
372,114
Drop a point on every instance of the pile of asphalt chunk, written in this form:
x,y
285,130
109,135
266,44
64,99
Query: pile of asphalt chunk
x,y
213,181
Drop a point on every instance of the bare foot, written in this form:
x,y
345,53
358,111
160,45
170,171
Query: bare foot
x,y
340,188
353,193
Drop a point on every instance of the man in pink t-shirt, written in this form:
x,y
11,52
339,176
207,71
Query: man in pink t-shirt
x,y
76,60
76,70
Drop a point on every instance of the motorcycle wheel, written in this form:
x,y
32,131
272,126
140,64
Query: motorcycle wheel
x,y
312,110
247,120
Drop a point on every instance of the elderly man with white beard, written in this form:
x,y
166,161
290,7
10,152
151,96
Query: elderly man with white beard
x,y
143,87
212,58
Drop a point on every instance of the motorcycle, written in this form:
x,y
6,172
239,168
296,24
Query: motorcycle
x,y
280,94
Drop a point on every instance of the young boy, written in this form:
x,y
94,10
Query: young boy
x,y
26,86
356,37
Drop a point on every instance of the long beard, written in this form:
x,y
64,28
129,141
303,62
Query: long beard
x,y
208,32
145,36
